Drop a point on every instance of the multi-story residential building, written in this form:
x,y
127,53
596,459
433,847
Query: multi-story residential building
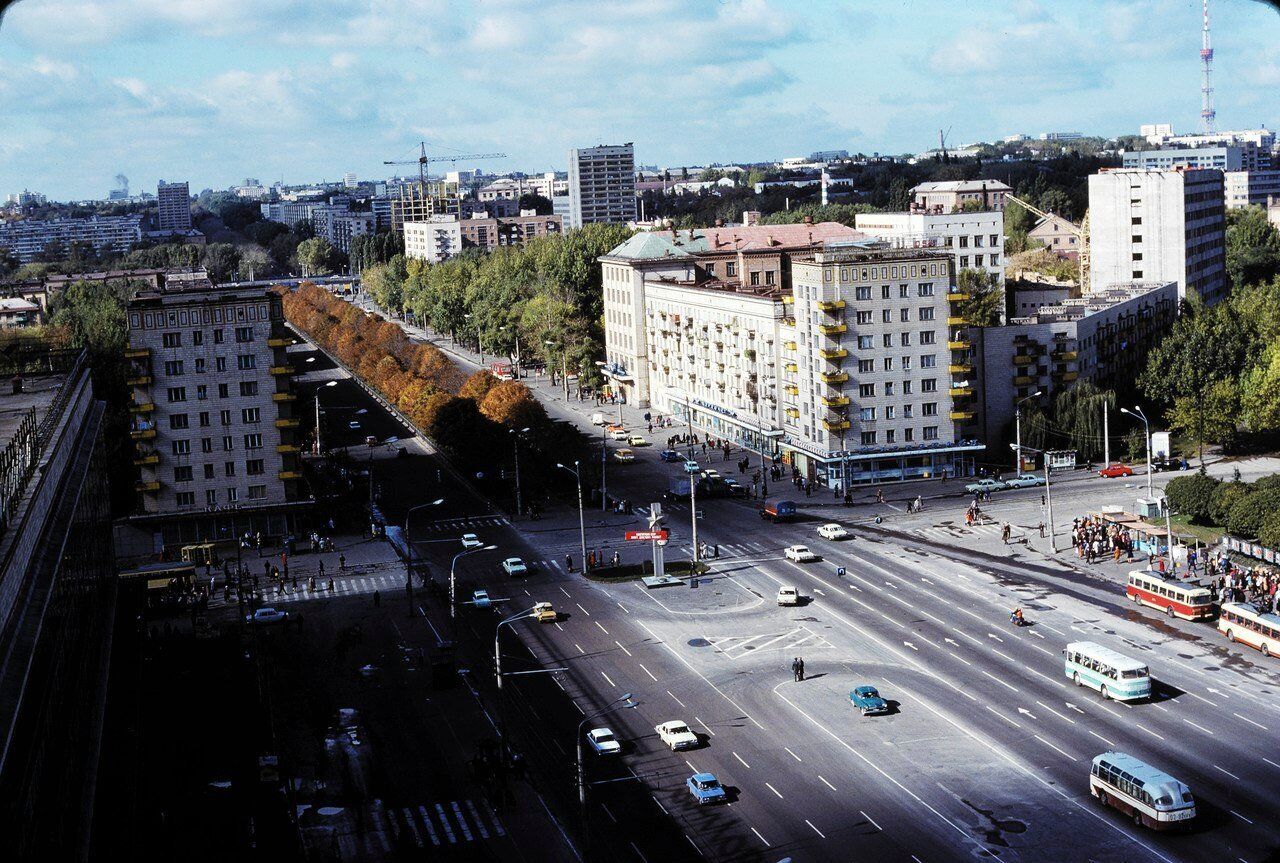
x,y
974,239
602,185
18,312
1057,235
27,199
489,233
1233,157
1250,188
213,406
1159,225
27,238
350,180
1103,337
433,240
822,345
174,200
291,212
1162,135
953,195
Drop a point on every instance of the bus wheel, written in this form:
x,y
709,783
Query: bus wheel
x,y
1134,598
1075,678
1265,651
1105,693
1231,636
1168,609
1137,818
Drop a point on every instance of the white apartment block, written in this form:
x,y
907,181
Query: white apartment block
x,y
27,238
1250,188
213,407
433,240
174,206
1159,225
948,196
974,240
602,185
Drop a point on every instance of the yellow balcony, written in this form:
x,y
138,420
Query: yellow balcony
x,y
835,425
791,390
284,397
289,474
956,321
279,342
794,413
1024,380
962,415
960,368
831,305
287,423
961,392
142,434
137,353
791,367
147,487
960,344
143,460
139,381
1023,360
1065,356
835,401
788,300
833,353
789,322
791,346
833,377
143,408
832,329
288,448
1066,377
282,370
957,297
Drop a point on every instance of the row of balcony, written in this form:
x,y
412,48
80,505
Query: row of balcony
x,y
152,486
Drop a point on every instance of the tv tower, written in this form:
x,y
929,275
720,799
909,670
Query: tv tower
x,y
1207,114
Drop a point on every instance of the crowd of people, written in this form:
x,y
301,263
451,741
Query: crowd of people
x,y
1256,584
1094,539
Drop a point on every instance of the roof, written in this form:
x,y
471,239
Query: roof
x,y
648,246
1056,222
1118,660
962,186
1249,608
705,777
17,304
1141,770
738,238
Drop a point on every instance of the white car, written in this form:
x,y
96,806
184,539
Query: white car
x,y
676,735
603,741
637,440
624,455
267,615
788,596
1025,480
833,531
514,566
800,554
470,540
480,599
619,434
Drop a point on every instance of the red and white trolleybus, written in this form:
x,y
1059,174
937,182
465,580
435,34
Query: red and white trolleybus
x,y
1175,598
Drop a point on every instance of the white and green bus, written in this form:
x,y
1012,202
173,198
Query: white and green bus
x,y
1149,796
1113,674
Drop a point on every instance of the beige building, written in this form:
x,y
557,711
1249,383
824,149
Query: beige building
x,y
433,239
489,233
953,195
1057,235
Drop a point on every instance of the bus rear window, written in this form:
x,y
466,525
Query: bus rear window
x,y
1134,674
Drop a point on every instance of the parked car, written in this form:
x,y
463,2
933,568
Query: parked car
x,y
670,455
705,788
1025,480
734,488
833,531
868,701
480,599
603,741
470,540
619,434
637,440
800,554
543,612
691,466
788,596
624,455
984,485
266,615
1113,471
676,734
711,473
514,566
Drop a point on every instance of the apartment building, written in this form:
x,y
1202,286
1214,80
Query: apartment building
x,y
214,421
433,240
1056,235
974,239
1159,225
489,233
27,238
1234,157
1250,188
174,202
291,212
602,185
953,195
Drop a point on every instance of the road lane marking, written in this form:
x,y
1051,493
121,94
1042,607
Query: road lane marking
x,y
579,646
1272,763
686,664
1148,730
998,680
774,790
1241,817
704,725
815,829
695,846
608,812
462,822
1100,737
623,607
1201,727
1248,720
740,761
606,677
643,858
1002,716
1205,700
872,820
826,783
1056,713
650,673
602,629
761,838
584,611
566,593
624,650
413,827
558,626
660,806
1228,772
444,820
954,656
1054,748
792,754
669,692
691,767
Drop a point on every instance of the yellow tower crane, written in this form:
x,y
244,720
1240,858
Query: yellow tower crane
x,y
1080,231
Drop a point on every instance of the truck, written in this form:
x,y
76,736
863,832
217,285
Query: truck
x,y
678,487
779,510
502,370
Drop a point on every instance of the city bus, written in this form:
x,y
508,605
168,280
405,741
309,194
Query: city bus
x,y
1149,796
1246,623
1113,674
1175,598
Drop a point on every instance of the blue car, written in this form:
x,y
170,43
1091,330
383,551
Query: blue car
x,y
670,455
868,701
706,788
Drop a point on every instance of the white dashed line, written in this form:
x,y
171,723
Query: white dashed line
x,y
1250,721
584,611
566,593
774,790
792,754
761,838
623,607
624,650
815,829
1228,772
1148,730
872,820
1201,727
669,692
740,761
705,725
1054,748
579,646
648,672
1241,817
602,629
826,783
606,677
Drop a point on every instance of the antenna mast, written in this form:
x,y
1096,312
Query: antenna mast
x,y
1208,116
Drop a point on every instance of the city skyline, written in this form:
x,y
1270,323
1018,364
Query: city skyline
x,y
248,90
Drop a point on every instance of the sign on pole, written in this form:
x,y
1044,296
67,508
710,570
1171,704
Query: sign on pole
x,y
645,535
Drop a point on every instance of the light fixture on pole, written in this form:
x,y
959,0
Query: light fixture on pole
x,y
1137,412
1018,427
453,565
576,470
515,437
322,386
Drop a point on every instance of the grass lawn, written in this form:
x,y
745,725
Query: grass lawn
x,y
1207,535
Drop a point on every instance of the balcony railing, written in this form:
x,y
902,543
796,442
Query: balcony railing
x,y
147,487
279,342
833,353
959,344
956,321
139,381
289,474
832,329
831,305
833,377
145,433
142,408
962,415
284,397
1024,380
957,297
1024,360
282,370
147,458
287,423
835,425
960,368
137,353
287,448
1065,356
835,401
961,392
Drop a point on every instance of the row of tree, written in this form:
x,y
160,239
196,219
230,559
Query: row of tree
x,y
1248,510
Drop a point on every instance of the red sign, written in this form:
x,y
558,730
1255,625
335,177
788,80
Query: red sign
x,y
646,535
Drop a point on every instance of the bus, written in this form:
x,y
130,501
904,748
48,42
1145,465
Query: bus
x,y
1149,796
1113,674
1246,623
1175,598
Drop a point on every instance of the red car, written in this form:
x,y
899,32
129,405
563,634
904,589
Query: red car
x,y
1112,471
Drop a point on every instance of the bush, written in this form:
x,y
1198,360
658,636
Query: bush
x,y
1270,533
1224,497
1191,495
1247,515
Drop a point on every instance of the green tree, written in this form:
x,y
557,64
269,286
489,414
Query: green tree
x,y
1247,515
316,257
254,261
222,260
985,303
1224,497
1077,413
1253,247
1193,495
1017,222
1206,418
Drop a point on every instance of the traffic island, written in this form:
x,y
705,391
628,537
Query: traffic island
x,y
633,571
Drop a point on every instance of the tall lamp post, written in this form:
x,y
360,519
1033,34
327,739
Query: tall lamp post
x,y
576,470
515,438
1137,412
1018,428
319,450
408,538
497,673
619,703
453,593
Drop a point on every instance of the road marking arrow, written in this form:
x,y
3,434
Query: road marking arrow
x,y
1025,712
925,580
1073,707
819,591
952,642
912,646
1218,692
996,637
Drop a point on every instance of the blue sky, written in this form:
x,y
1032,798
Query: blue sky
x,y
217,90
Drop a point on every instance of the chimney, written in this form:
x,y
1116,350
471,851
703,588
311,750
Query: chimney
x,y
750,218
719,223
808,220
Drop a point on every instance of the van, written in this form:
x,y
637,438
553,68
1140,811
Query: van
x,y
597,419
779,510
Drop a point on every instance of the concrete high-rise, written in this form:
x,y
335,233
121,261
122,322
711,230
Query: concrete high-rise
x,y
602,185
175,206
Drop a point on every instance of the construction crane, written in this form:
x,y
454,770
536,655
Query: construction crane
x,y
423,160
1081,233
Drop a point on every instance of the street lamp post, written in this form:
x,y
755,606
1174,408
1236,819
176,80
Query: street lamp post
x,y
497,672
515,437
764,471
576,470
623,701
1018,428
319,450
604,457
453,594
1137,412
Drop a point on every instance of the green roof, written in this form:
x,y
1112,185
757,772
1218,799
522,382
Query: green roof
x,y
647,246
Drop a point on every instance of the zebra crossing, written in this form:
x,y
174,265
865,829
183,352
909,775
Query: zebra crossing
x,y
952,532
733,550
442,823
460,525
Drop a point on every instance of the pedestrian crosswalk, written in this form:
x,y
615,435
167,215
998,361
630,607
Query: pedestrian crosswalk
x,y
951,532
442,823
797,638
460,525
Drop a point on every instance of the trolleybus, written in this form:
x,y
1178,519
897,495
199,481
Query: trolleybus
x,y
1246,623
1175,598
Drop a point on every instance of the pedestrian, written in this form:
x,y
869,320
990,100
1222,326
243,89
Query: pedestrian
x,y
342,563
1004,533
331,588
377,598
322,567
795,669
801,671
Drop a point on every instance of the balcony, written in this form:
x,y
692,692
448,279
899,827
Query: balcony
x,y
139,381
956,321
279,342
957,297
290,474
833,377
789,322
1065,377
143,486
790,367
142,408
1024,359
791,390
794,413
832,329
1065,356
142,433
960,344
830,305
835,401
148,458
788,299
833,353
282,370
137,353
962,415
284,397
835,425
1024,380
287,423
961,392
960,368
791,346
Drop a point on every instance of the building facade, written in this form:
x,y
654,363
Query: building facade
x,y
602,185
214,420
174,200
975,240
1236,157
1250,188
27,238
1057,235
949,196
489,233
433,240
1159,225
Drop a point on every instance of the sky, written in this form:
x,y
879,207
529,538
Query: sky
x,y
214,91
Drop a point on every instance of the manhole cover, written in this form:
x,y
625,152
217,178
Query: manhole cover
x,y
699,642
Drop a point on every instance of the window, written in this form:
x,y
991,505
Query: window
x,y
1136,220
929,385
253,467
867,414
258,492
868,438
228,443
886,316
711,270
218,337
204,419
172,340
181,447
200,364
253,441
245,362
977,240
755,277
928,337
928,361
864,318
888,364
888,388
906,388
220,363
890,436
229,468
904,315
182,473
1137,274
730,269
173,367
884,292
904,291
926,314
244,334
223,391
908,435
964,242
929,409
908,411
930,433
208,471
866,343
177,394
866,366
925,289
906,340
863,292
977,260
995,240
186,498
1137,256
178,421
768,277
888,340
891,412
206,444
250,415
964,261
866,391
225,417
1137,238
233,495
197,337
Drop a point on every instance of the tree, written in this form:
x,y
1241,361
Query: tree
x,y
538,203
1192,495
253,260
9,262
1208,417
222,260
1057,202
1223,498
1077,413
1253,247
477,386
985,303
509,403
1247,515
316,257
1017,222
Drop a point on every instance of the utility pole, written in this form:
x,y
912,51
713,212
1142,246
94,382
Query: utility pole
x,y
604,453
1106,435
318,448
1048,499
693,515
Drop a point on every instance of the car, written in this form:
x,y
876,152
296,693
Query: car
x,y
470,540
1024,480
676,734
868,701
706,788
266,615
670,455
691,466
603,741
624,455
711,473
1112,471
734,488
597,419
619,434
612,427
788,596
637,440
984,485
514,566
543,612
480,599
833,531
353,424
799,553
